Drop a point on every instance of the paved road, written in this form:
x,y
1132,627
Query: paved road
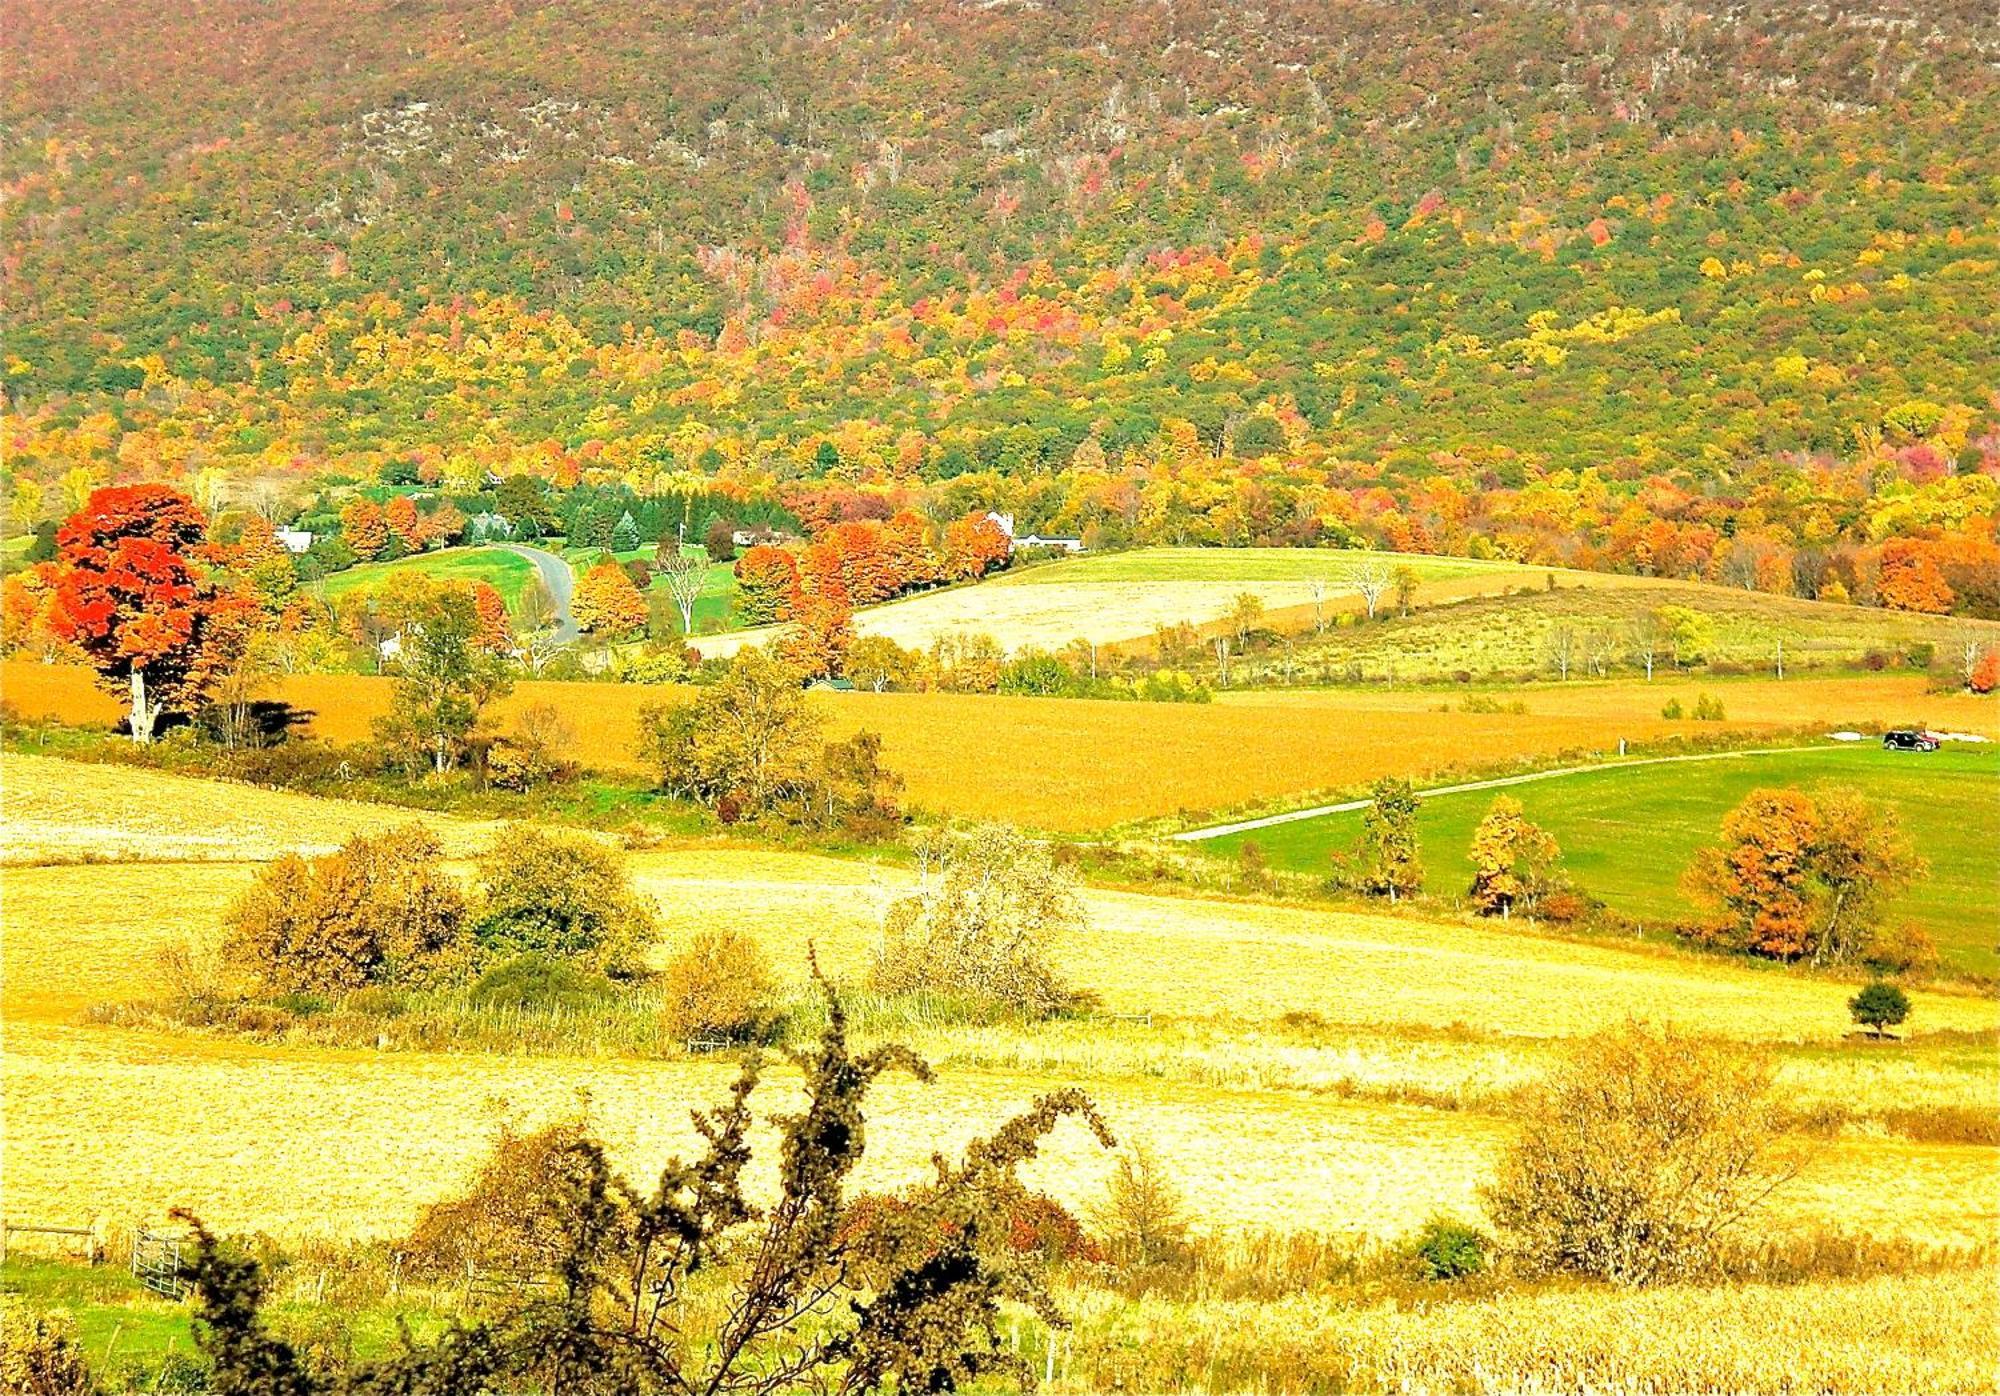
x,y
557,580
1217,831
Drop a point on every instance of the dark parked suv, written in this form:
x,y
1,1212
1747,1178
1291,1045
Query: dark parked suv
x,y
1908,739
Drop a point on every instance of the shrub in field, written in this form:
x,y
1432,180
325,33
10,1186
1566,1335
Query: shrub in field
x,y
1142,1221
1879,1006
550,894
687,1287
40,1356
529,982
719,987
534,751
1901,948
1637,1155
1514,862
381,910
752,746
1673,711
1708,709
503,1222
1448,1249
981,929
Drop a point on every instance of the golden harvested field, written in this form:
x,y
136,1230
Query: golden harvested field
x,y
1931,1333
1077,765
61,811
1117,597
1255,1121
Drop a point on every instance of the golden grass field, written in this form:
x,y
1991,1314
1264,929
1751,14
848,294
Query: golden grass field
x,y
1265,1127
1077,765
1121,597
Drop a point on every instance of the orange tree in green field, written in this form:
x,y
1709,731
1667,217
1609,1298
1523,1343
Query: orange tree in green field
x,y
1798,875
1513,861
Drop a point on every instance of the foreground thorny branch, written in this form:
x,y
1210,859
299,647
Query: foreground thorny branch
x,y
692,1289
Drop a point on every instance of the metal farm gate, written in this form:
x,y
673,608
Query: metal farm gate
x,y
156,1261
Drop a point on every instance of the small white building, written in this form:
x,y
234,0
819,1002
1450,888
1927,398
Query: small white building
x,y
294,540
1035,540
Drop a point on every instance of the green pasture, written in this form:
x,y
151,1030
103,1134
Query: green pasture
x,y
1627,834
509,572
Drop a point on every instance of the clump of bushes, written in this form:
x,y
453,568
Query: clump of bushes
x,y
381,910
534,752
539,982
981,926
720,987
551,916
1637,1156
1448,1249
41,1356
556,895
752,747
1142,1221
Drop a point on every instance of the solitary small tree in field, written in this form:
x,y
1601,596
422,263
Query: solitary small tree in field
x,y
984,930
1878,1006
686,574
1369,580
1513,861
1391,857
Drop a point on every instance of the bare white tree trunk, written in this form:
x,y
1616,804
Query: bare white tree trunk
x,y
144,712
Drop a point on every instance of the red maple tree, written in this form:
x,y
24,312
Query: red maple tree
x,y
133,594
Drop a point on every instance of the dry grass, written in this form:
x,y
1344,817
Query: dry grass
x,y
1878,700
54,811
1929,1333
1110,598
1250,1112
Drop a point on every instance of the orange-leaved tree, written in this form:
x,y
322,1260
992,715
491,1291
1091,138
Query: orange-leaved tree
x,y
406,523
974,546
1760,878
1910,578
363,529
134,594
496,629
1799,875
821,631
766,577
607,604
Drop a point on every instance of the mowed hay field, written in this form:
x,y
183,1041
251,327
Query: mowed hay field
x,y
1386,1106
1080,765
1113,597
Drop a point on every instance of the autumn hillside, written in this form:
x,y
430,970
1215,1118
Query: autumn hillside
x,y
959,237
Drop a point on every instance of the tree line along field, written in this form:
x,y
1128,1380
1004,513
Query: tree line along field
x,y
1296,1073
1078,766
1627,835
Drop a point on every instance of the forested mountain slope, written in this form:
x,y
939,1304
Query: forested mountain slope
x,y
1378,241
